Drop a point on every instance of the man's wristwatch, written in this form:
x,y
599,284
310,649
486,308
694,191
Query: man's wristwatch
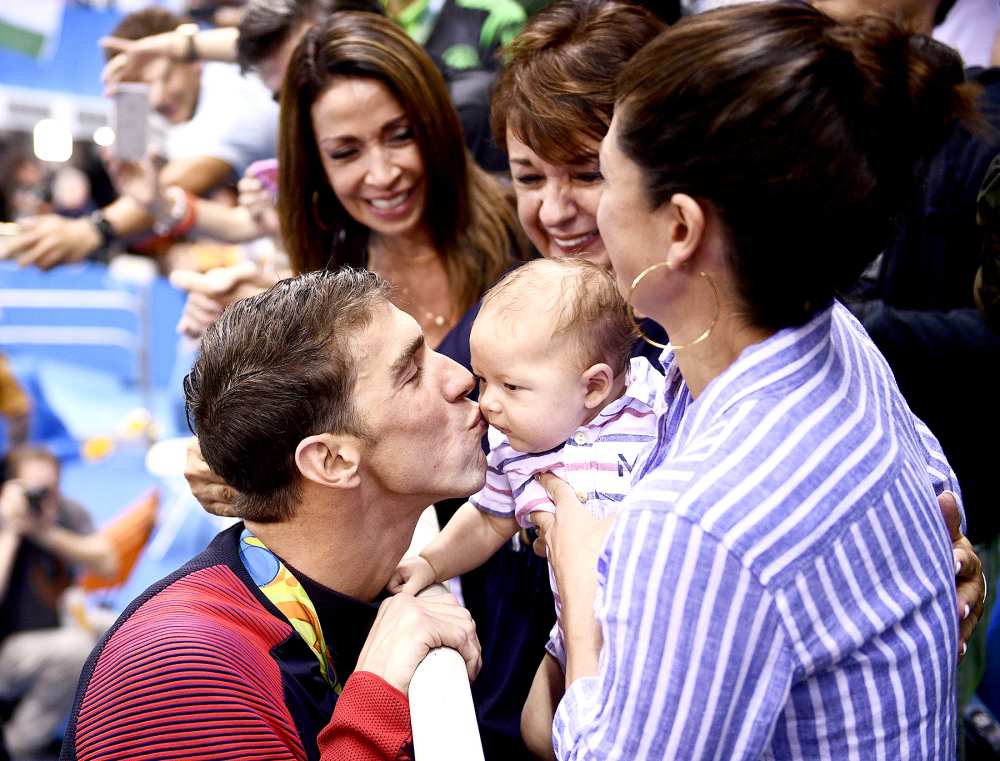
x,y
104,228
188,31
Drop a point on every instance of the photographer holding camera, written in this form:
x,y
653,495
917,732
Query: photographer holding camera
x,y
43,537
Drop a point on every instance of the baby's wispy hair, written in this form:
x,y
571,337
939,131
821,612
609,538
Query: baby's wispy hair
x,y
583,299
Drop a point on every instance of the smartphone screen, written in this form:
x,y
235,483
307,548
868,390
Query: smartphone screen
x,y
130,121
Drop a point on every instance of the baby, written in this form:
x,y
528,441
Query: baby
x,y
550,348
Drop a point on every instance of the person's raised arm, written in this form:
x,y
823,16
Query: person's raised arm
x,y
13,514
129,56
90,550
142,182
94,551
49,240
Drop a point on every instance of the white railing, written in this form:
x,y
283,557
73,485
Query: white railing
x,y
442,715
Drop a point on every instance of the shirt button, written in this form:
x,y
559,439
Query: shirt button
x,y
580,438
581,495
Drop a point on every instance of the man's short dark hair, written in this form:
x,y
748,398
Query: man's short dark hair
x,y
145,23
274,369
266,24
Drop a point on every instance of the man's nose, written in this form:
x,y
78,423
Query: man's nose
x,y
458,382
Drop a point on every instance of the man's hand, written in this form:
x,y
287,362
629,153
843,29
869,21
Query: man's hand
x,y
970,583
412,575
130,56
209,293
214,494
49,239
407,628
16,516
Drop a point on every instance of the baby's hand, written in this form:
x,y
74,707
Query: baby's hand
x,y
412,575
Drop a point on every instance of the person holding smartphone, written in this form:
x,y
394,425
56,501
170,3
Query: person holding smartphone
x,y
220,122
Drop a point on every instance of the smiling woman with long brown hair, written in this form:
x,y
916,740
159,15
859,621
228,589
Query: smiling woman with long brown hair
x,y
374,173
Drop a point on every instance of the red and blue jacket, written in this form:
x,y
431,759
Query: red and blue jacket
x,y
203,666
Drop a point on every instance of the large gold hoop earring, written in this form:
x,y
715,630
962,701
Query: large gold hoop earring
x,y
657,344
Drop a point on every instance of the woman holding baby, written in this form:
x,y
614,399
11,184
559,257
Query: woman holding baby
x,y
779,582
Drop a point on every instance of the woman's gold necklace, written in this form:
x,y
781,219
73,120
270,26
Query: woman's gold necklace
x,y
426,317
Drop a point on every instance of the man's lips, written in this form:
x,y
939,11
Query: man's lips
x,y
478,423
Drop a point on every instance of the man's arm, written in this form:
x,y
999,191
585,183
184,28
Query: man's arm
x,y
91,551
10,540
189,674
196,174
50,240
13,524
371,722
129,56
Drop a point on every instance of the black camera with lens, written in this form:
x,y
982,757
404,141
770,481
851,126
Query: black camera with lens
x,y
35,499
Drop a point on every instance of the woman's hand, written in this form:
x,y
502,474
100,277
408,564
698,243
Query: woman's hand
x,y
259,201
214,494
572,540
970,583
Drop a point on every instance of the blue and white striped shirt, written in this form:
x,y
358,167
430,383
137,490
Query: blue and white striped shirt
x,y
780,583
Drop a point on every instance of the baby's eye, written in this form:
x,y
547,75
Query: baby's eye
x,y
511,387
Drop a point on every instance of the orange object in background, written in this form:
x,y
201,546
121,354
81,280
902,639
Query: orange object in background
x,y
128,534
14,401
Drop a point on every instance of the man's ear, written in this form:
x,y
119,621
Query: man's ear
x,y
598,380
330,460
687,228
